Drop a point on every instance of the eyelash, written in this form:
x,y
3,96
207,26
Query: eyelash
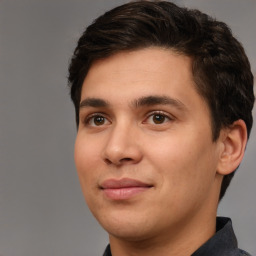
x,y
89,118
160,113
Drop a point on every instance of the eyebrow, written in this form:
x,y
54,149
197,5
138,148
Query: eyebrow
x,y
158,100
140,102
93,102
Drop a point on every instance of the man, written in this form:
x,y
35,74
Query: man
x,y
163,98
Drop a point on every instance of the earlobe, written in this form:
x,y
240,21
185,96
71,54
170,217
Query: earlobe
x,y
234,140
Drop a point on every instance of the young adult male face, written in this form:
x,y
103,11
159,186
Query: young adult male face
x,y
144,152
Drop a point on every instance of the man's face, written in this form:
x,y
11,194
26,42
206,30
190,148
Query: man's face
x,y
144,151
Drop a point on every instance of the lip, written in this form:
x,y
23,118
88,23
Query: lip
x,y
123,189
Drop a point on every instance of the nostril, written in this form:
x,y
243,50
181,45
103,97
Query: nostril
x,y
107,161
127,159
119,162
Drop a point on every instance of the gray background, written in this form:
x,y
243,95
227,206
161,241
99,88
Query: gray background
x,y
42,210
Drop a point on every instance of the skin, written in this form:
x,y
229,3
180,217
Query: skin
x,y
151,125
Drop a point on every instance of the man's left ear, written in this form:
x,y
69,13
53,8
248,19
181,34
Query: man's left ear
x,y
233,139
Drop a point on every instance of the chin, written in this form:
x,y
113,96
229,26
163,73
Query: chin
x,y
128,228
135,234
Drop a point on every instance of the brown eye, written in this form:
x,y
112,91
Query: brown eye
x,y
158,119
97,120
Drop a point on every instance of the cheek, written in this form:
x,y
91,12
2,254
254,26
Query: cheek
x,y
86,153
185,165
86,161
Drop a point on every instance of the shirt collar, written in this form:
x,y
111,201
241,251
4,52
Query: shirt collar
x,y
107,251
223,243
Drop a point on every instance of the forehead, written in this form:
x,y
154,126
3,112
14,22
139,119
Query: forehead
x,y
129,75
143,67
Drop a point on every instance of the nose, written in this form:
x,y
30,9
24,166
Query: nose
x,y
122,146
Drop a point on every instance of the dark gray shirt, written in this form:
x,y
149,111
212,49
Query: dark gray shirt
x,y
223,243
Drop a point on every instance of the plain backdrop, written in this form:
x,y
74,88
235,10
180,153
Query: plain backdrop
x,y
42,210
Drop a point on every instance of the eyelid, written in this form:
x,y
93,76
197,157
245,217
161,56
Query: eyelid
x,y
89,117
159,112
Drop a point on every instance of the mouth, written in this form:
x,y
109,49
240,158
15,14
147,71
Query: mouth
x,y
123,189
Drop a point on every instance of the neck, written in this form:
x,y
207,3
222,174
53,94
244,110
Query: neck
x,y
182,241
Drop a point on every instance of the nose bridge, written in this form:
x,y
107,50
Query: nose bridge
x,y
122,144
